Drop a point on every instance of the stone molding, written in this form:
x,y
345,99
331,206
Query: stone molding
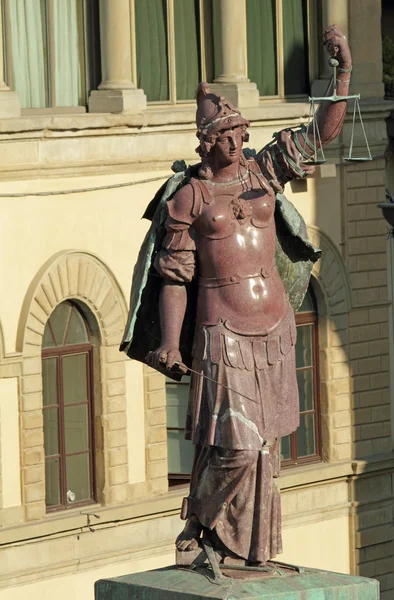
x,y
330,271
170,117
332,291
118,143
85,279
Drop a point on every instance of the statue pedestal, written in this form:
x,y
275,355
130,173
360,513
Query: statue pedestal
x,y
171,583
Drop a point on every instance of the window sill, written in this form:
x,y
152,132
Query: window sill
x,y
153,116
313,473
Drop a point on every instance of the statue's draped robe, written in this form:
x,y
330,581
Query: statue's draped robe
x,y
233,490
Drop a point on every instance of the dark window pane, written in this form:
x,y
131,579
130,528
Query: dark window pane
x,y
180,453
177,400
51,431
76,331
304,354
52,482
307,304
49,381
306,441
261,39
151,48
47,340
92,44
186,21
59,319
76,430
285,453
78,478
295,46
217,39
305,390
74,378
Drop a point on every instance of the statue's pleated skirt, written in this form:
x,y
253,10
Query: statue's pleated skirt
x,y
249,393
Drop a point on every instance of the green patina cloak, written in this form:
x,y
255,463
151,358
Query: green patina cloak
x,y
295,256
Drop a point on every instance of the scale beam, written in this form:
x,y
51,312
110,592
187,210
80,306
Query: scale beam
x,y
335,98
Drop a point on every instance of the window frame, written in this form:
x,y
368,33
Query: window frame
x,y
312,51
309,318
89,12
177,478
59,352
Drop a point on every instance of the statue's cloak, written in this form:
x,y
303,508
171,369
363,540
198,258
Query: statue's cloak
x,y
295,256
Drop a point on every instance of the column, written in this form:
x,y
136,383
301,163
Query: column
x,y
9,100
233,80
117,93
334,12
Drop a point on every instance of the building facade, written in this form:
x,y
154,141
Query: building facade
x,y
96,103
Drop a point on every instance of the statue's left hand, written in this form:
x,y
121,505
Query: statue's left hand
x,y
337,46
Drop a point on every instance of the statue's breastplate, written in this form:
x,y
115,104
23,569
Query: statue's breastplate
x,y
236,241
231,209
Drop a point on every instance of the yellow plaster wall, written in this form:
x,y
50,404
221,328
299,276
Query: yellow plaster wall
x,y
105,223
323,545
80,586
9,443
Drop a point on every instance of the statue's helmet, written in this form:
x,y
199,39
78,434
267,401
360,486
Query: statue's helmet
x,y
215,114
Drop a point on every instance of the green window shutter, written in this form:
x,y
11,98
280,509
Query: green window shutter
x,y
261,43
152,49
295,47
186,20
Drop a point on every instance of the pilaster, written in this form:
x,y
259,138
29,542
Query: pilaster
x,y
9,100
232,80
334,12
364,31
117,93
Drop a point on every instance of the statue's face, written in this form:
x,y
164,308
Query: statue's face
x,y
228,146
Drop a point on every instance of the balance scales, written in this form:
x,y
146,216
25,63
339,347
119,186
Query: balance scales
x,y
318,157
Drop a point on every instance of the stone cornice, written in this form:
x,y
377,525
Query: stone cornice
x,y
80,144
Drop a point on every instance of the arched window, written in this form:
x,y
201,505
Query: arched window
x,y
68,408
304,444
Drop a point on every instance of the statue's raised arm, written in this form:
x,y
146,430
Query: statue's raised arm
x,y
330,116
289,156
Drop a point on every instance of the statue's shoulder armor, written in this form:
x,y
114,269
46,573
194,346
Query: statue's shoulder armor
x,y
186,204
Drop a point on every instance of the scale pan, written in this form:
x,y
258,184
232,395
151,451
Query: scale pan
x,y
357,159
314,162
